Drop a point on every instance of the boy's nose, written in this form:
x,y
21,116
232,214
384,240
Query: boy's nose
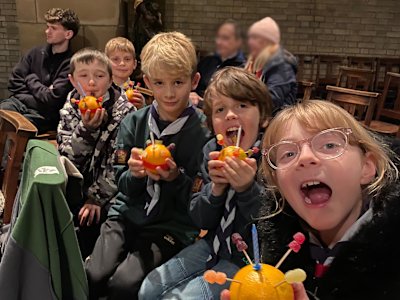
x,y
307,157
170,92
231,115
91,82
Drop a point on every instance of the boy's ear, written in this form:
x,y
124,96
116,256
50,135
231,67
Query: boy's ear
x,y
368,171
195,80
146,81
69,34
134,64
71,79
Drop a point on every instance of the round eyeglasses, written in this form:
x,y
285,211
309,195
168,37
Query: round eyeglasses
x,y
327,144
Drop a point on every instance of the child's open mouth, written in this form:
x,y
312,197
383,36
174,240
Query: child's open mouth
x,y
232,134
316,192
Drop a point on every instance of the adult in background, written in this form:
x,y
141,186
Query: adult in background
x,y
228,43
39,82
275,66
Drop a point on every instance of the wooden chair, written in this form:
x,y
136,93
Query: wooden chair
x,y
327,72
354,101
356,79
361,62
305,88
383,66
305,76
15,130
392,82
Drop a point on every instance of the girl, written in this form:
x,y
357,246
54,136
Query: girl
x,y
341,190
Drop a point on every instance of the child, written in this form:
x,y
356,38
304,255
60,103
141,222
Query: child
x,y
123,61
150,222
229,199
342,192
88,142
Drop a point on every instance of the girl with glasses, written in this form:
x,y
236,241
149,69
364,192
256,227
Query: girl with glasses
x,y
337,183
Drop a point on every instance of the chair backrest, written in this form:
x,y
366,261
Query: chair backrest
x,y
328,68
15,130
362,62
357,103
356,79
306,65
391,93
383,66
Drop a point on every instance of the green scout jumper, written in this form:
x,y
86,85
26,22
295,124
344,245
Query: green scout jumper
x,y
42,258
171,215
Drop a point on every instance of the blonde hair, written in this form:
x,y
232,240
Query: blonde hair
x,y
239,85
172,52
88,56
255,65
319,115
119,44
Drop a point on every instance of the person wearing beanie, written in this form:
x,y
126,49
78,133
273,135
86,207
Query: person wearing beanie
x,y
274,65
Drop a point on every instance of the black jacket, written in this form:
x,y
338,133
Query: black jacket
x,y
207,210
279,75
366,267
40,81
211,64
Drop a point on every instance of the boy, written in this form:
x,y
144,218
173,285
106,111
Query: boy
x,y
137,236
230,199
123,61
88,141
39,82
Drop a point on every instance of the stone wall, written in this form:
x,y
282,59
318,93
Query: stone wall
x,y
100,20
356,27
9,43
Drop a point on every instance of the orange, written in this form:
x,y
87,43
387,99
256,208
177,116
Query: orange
x,y
232,151
130,93
257,285
89,102
154,156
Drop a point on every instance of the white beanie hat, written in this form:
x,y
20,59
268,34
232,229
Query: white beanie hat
x,y
268,29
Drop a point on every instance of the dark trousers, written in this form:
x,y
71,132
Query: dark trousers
x,y
41,123
121,259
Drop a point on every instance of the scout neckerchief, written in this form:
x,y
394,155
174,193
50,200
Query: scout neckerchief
x,y
153,187
222,239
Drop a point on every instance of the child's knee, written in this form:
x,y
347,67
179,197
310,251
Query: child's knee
x,y
119,284
95,275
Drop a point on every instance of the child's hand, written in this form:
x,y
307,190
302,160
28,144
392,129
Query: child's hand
x,y
298,289
167,175
219,181
88,213
95,122
135,163
240,173
195,98
137,99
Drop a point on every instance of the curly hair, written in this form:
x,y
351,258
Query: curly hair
x,y
66,17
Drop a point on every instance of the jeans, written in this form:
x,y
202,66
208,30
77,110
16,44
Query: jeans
x,y
42,123
182,276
